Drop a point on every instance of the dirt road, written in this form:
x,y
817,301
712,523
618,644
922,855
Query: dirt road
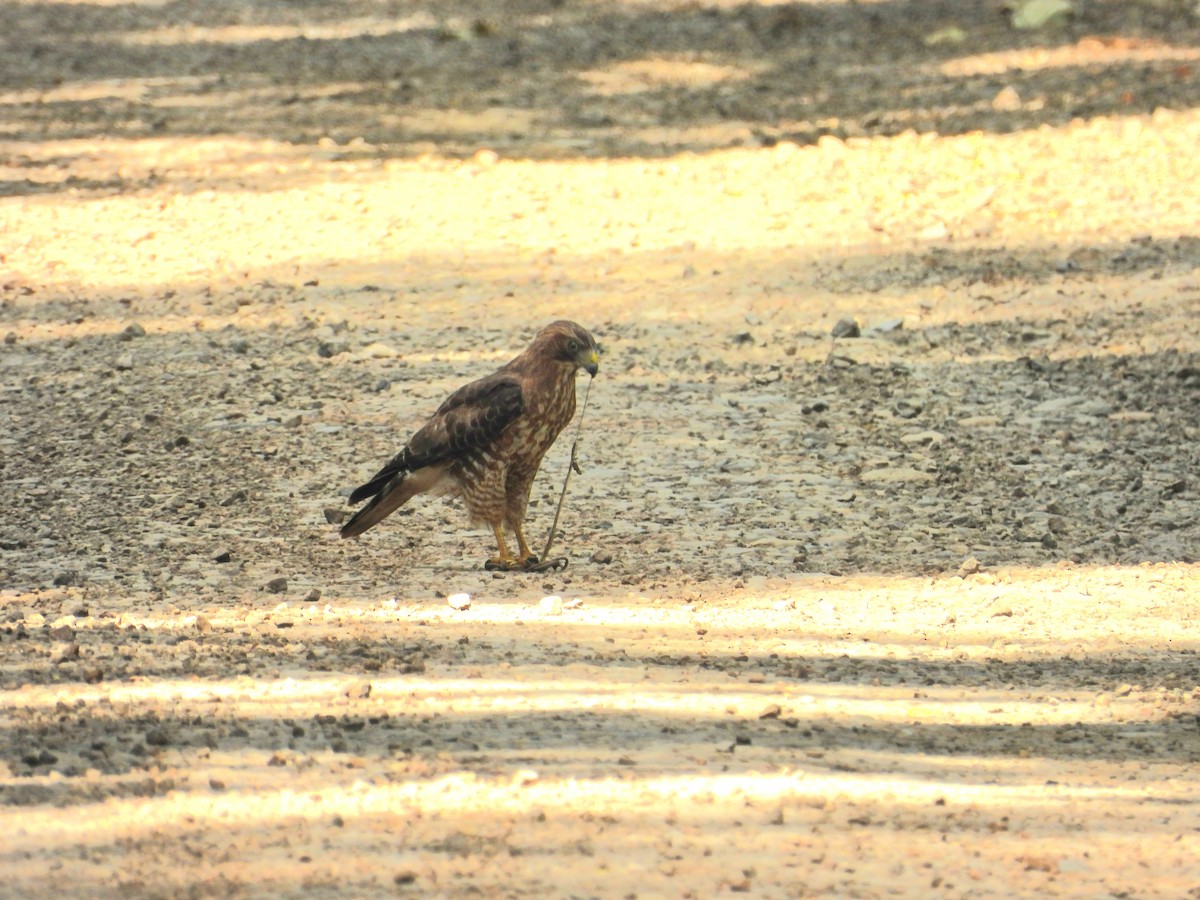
x,y
907,613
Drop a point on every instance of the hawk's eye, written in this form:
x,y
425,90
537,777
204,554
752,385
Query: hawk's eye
x,y
572,346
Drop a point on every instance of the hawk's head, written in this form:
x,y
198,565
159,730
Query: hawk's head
x,y
567,342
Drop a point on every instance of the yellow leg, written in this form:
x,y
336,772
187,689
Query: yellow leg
x,y
503,559
523,551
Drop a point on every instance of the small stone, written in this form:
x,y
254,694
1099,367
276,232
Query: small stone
x,y
132,331
276,585
887,326
223,557
203,625
742,338
329,349
774,711
312,596
459,601
383,384
485,156
11,338
62,633
66,579
43,758
377,350
293,422
551,606
124,362
216,784
236,497
1008,100
846,328
1124,690
334,516
969,566
602,557
360,691
923,439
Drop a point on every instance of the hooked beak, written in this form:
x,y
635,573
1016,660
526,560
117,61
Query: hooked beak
x,y
591,362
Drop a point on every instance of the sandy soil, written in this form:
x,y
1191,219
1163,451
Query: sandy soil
x,y
908,613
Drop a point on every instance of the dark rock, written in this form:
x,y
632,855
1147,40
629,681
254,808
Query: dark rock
x,y
846,328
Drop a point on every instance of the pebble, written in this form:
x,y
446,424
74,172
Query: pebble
x,y
551,606
377,350
603,557
969,566
459,601
334,516
132,331
1007,100
313,595
846,328
124,362
276,585
887,325
923,438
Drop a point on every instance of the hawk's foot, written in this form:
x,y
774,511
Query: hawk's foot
x,y
503,564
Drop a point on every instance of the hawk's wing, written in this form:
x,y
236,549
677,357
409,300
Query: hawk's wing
x,y
471,417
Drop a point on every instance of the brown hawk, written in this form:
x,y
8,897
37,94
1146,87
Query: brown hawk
x,y
485,443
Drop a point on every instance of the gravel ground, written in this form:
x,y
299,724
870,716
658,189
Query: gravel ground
x,y
884,555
